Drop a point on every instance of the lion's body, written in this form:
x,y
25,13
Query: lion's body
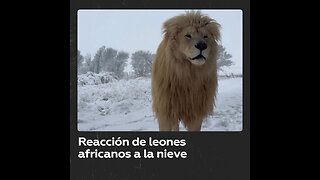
x,y
182,91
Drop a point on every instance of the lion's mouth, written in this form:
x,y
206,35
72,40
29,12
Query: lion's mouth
x,y
200,56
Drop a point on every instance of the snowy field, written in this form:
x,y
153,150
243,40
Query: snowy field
x,y
125,105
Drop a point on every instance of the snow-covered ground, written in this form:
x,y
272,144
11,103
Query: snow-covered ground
x,y
125,105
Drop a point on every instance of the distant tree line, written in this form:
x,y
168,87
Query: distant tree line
x,y
112,60
105,60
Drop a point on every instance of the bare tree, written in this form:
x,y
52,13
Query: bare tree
x,y
142,62
120,63
98,60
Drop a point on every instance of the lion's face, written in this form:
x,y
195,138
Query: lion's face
x,y
195,44
194,36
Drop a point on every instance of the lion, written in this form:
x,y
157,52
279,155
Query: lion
x,y
184,71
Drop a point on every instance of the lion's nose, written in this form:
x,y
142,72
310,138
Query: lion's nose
x,y
201,45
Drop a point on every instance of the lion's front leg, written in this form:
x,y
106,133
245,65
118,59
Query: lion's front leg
x,y
168,125
194,125
175,126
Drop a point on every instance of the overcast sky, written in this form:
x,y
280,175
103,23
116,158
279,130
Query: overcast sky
x,y
133,30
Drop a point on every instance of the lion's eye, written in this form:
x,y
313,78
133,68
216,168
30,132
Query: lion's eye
x,y
205,37
188,36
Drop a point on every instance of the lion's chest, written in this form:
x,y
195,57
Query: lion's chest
x,y
184,98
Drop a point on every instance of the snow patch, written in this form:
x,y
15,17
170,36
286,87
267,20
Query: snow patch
x,y
126,105
91,78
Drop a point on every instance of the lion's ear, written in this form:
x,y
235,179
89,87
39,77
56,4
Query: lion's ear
x,y
171,28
